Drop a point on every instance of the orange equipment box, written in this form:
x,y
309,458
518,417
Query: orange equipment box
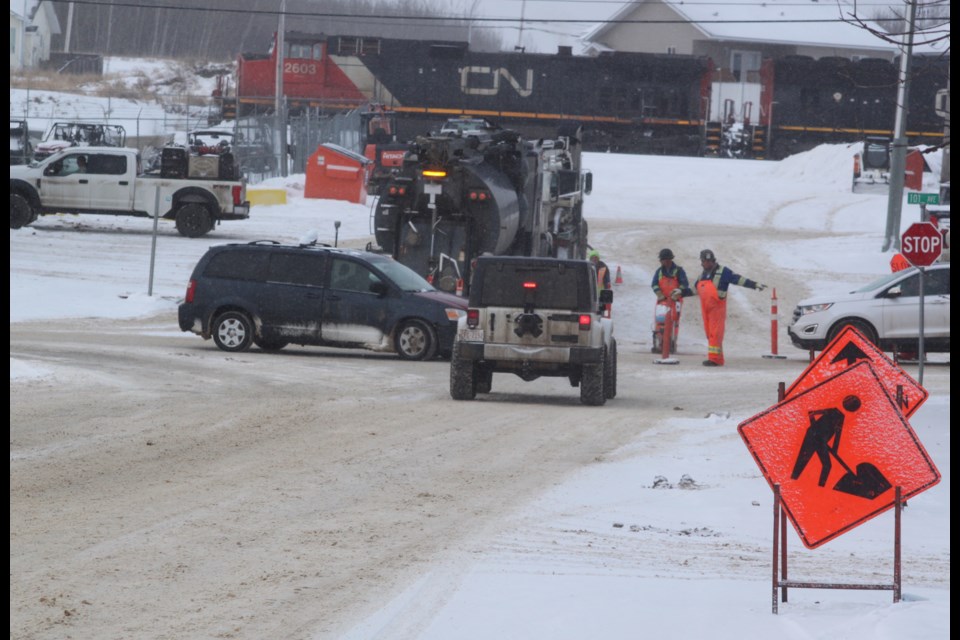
x,y
336,173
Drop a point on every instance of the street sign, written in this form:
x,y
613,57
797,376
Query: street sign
x,y
923,198
838,451
921,244
850,348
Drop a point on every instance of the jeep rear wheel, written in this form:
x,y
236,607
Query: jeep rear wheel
x,y
610,371
194,220
484,381
21,213
415,340
233,331
463,381
591,384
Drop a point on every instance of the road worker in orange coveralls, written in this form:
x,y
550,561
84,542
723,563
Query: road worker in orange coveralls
x,y
712,288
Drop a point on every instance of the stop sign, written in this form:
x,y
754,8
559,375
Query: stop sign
x,y
921,244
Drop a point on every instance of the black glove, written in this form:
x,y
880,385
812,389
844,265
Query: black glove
x,y
761,287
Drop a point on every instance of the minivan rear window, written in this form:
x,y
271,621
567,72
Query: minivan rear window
x,y
240,265
289,268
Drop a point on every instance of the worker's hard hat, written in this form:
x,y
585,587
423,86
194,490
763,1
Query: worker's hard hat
x,y
706,254
666,254
593,253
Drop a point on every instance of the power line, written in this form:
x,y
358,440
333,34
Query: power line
x,y
436,19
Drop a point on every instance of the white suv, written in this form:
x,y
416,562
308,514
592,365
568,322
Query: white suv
x,y
886,311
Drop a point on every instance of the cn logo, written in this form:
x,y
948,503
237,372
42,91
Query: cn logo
x,y
489,78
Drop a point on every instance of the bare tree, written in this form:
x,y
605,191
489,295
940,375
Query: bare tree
x,y
932,23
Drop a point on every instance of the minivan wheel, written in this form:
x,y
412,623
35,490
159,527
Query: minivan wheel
x,y
269,345
233,331
415,340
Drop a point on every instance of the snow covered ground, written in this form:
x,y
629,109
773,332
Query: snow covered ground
x,y
630,547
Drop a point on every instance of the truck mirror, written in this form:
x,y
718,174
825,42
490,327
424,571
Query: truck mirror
x,y
587,182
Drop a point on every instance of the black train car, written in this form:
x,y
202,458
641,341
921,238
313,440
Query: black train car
x,y
833,100
629,102
625,101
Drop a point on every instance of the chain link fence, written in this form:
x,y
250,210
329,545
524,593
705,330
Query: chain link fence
x,y
167,120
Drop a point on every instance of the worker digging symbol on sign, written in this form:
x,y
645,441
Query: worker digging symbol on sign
x,y
823,439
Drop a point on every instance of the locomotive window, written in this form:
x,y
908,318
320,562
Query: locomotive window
x,y
318,51
299,51
348,45
370,46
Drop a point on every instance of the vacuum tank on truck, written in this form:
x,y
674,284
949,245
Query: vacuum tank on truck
x,y
458,197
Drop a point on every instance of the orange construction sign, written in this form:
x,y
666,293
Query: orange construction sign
x,y
851,347
838,450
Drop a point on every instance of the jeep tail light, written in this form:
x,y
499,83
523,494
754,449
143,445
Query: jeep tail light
x,y
397,190
473,318
585,321
191,290
530,286
237,194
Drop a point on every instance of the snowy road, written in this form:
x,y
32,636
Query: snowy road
x,y
161,488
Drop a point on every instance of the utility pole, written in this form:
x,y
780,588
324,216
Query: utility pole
x,y
898,159
279,105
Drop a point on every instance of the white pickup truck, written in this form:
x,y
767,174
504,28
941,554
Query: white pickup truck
x,y
109,180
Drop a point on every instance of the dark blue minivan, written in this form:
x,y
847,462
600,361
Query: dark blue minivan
x,y
272,295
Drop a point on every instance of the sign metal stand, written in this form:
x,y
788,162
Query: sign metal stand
x,y
780,565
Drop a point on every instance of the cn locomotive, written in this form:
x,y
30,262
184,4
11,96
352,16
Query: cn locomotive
x,y
627,102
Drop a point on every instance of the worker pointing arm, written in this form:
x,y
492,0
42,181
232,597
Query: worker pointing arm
x,y
712,286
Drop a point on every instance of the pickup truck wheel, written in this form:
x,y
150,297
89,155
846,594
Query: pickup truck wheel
x,y
591,384
21,213
415,340
233,331
463,376
194,220
610,371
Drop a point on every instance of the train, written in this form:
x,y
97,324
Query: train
x,y
670,104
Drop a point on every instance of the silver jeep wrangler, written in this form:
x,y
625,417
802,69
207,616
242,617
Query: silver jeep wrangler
x,y
535,317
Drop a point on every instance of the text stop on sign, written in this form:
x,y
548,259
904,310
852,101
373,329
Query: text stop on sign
x,y
923,244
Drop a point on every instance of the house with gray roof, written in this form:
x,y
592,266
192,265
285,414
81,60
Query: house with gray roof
x,y
736,34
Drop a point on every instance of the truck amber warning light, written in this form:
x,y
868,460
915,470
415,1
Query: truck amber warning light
x,y
434,173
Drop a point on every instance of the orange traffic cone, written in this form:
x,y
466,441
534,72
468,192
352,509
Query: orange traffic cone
x,y
619,278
